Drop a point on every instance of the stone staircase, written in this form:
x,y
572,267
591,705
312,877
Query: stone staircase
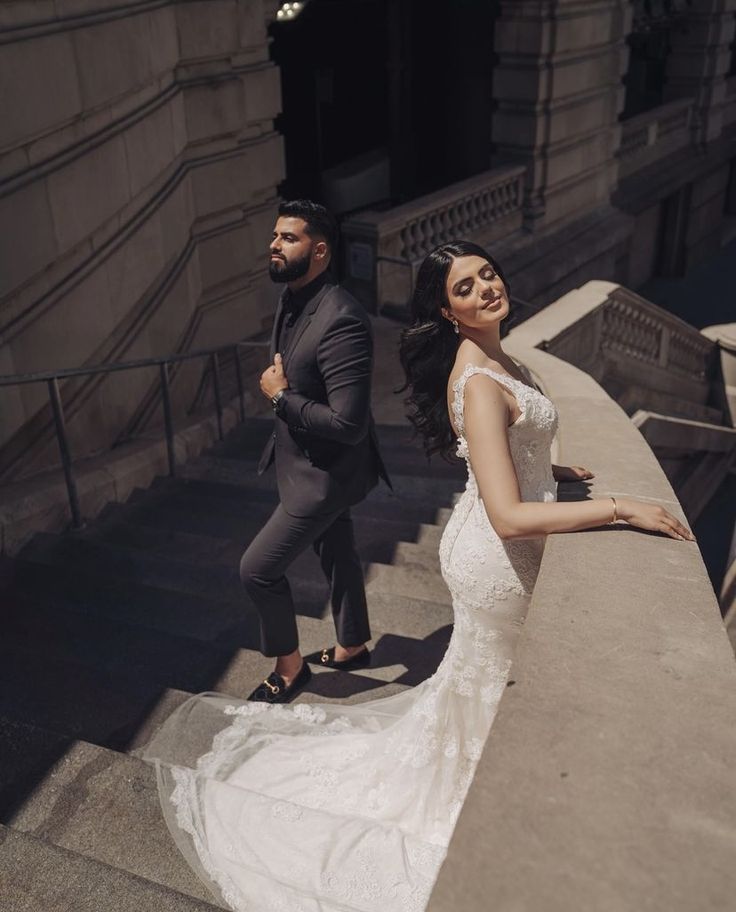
x,y
106,630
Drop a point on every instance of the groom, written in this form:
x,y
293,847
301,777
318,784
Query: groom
x,y
324,446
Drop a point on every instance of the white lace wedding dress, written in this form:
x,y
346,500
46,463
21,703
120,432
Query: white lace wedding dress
x,y
327,807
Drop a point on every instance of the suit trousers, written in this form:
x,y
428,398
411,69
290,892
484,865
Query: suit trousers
x,y
277,545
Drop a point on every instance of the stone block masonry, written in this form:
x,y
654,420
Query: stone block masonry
x,y
138,173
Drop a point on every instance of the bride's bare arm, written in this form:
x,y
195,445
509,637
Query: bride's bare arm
x,y
486,421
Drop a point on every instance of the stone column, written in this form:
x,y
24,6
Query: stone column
x,y
699,61
558,90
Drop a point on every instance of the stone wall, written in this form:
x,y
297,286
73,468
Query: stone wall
x,y
138,174
559,93
705,219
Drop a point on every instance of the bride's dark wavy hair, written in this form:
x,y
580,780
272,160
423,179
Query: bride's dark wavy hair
x,y
429,345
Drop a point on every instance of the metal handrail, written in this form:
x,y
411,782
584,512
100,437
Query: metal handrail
x,y
51,378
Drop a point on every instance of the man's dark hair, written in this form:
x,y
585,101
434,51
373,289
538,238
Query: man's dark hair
x,y
321,222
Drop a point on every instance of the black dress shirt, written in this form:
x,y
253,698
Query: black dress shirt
x,y
293,306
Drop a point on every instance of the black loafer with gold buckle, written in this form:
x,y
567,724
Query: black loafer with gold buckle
x,y
274,690
327,659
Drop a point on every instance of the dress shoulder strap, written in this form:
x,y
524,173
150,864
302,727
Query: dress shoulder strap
x,y
458,390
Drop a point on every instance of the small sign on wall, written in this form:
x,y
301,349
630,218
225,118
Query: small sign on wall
x,y
361,261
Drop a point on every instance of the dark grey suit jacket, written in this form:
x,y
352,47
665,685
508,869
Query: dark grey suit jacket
x,y
324,443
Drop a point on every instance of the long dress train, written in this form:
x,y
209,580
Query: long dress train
x,y
327,807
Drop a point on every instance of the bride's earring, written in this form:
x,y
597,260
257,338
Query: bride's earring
x,y
456,327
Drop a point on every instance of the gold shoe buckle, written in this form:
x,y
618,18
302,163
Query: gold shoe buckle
x,y
274,688
325,656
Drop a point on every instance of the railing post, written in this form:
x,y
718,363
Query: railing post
x,y
216,387
66,459
239,376
168,423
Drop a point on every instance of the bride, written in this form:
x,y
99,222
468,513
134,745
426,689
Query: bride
x,y
320,808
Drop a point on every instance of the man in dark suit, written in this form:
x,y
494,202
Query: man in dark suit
x,y
324,446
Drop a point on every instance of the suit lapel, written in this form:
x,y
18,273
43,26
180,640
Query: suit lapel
x,y
304,320
276,328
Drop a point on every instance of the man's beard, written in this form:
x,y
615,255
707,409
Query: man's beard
x,y
283,271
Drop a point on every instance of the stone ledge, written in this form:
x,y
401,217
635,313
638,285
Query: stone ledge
x,y
607,781
683,434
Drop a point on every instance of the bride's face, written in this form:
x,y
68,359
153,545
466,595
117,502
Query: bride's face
x,y
476,293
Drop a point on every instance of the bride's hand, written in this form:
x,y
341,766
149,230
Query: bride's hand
x,y
572,473
652,517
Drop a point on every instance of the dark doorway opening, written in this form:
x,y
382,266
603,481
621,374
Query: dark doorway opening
x,y
650,45
384,100
671,253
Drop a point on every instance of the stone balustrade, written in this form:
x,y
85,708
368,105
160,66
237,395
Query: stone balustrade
x,y
607,780
642,356
382,250
654,135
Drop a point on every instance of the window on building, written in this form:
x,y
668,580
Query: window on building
x,y
650,44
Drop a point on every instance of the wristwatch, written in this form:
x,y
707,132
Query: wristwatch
x,y
276,399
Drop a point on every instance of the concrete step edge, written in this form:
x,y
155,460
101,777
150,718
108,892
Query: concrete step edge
x,y
103,805
39,876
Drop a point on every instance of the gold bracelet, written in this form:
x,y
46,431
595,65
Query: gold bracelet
x,y
615,511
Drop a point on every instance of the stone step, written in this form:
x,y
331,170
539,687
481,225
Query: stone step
x,y
114,647
231,500
96,592
119,708
372,542
194,514
108,630
243,474
26,753
401,450
97,595
103,805
422,554
36,876
398,461
248,439
218,582
411,579
73,699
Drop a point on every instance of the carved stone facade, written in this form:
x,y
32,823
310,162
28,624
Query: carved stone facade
x,y
140,167
559,92
624,199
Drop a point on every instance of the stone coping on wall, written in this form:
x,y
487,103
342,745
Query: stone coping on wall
x,y
607,780
653,135
392,220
